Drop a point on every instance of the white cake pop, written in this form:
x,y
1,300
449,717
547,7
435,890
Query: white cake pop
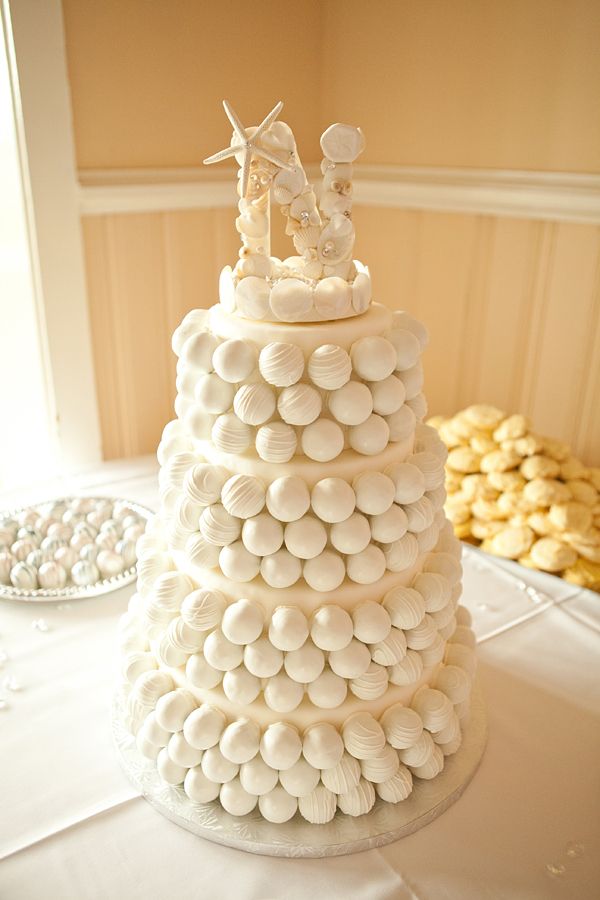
x,y
200,673
323,440
280,569
276,442
301,779
401,554
281,746
243,621
401,423
181,752
324,572
199,788
329,367
408,670
213,394
239,741
331,627
333,499
299,404
371,622
168,770
366,567
288,629
204,726
374,492
405,606
370,437
172,709
306,537
277,806
328,690
230,435
198,350
254,404
373,358
221,653
388,395
351,404
390,525
219,527
281,364
288,498
201,553
216,767
243,496
262,534
412,379
405,321
257,777
351,661
52,574
305,664
262,659
409,482
203,609
352,535
407,347
283,694
234,360
83,573
203,483
235,800
237,563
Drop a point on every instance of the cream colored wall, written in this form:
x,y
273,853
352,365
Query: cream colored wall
x,y
513,305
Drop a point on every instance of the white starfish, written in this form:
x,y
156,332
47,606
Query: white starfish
x,y
248,145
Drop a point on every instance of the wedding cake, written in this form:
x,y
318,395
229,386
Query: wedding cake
x,y
296,642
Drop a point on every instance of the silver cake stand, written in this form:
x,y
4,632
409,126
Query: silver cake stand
x,y
385,823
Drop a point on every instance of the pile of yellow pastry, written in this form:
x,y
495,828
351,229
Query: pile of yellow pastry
x,y
521,496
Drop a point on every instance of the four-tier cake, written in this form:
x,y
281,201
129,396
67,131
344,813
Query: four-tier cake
x,y
296,641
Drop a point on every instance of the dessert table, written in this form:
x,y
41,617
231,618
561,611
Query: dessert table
x,y
528,825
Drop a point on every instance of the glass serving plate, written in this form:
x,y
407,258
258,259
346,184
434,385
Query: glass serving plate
x,y
73,591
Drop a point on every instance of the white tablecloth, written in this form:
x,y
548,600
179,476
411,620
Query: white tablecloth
x,y
71,826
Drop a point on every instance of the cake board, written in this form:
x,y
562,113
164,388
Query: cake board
x,y
385,823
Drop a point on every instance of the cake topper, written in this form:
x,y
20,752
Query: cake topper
x,y
322,281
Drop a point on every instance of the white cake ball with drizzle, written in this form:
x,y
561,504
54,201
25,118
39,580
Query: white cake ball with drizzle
x,y
281,364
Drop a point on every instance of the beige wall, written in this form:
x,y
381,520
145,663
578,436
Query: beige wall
x,y
513,305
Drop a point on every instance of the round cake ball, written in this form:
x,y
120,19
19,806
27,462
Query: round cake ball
x,y
181,752
282,693
366,567
168,770
299,404
372,622
254,404
240,686
288,498
257,777
306,537
324,572
390,525
216,767
329,367
402,424
352,535
262,659
213,394
351,661
331,627
305,664
280,746
351,404
200,673
333,499
371,437
301,779
230,435
237,563
276,442
373,358
172,709
281,364
388,395
288,629
243,496
277,806
198,350
234,360
221,653
407,347
199,788
235,800
262,534
239,742
374,492
409,482
52,575
243,622
322,746
322,440
281,569
328,690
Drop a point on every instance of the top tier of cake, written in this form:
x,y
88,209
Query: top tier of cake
x,y
322,282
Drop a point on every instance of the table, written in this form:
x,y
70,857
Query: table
x,y
528,826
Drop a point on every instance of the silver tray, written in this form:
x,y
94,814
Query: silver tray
x,y
73,591
385,823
